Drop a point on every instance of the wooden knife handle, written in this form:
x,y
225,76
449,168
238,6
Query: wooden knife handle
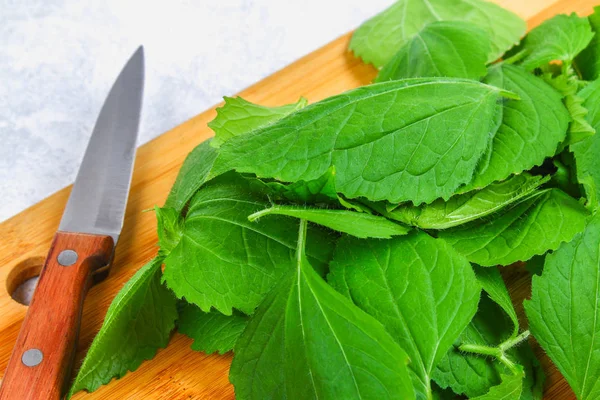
x,y
40,364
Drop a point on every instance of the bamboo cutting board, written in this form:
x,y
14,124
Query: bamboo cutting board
x,y
177,372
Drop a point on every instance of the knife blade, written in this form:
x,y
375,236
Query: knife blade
x,y
99,195
82,248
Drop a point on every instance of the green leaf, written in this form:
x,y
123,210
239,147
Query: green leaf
x,y
225,261
493,284
308,341
510,388
588,61
474,375
560,38
534,226
410,140
467,373
357,205
138,322
320,190
212,331
463,208
531,128
564,310
169,229
568,86
586,152
418,287
238,117
378,39
444,48
354,223
192,175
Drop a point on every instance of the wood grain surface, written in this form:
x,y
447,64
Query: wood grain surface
x,y
177,372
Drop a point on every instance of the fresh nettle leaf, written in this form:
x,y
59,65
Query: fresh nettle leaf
x,y
192,175
530,131
586,152
510,388
169,229
319,190
534,226
238,117
138,322
493,284
447,169
588,61
560,38
354,223
225,261
474,374
308,341
212,331
411,140
418,287
568,86
463,208
378,39
445,48
564,310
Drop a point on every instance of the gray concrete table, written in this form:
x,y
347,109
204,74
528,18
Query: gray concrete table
x,y
58,59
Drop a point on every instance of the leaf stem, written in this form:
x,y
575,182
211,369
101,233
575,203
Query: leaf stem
x,y
480,349
258,214
509,95
516,57
509,364
510,343
566,68
301,243
498,352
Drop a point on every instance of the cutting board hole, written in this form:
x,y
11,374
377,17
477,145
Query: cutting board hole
x,y
23,278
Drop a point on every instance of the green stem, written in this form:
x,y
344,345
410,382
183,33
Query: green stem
x,y
258,214
566,67
515,58
509,95
510,343
429,392
509,364
498,352
301,243
480,349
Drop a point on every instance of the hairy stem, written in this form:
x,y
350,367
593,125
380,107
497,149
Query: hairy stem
x,y
498,352
480,349
510,343
258,214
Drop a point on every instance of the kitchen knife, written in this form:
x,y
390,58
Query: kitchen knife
x,y
83,247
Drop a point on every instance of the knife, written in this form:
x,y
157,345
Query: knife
x,y
82,248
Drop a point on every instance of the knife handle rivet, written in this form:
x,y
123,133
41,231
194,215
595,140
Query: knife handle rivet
x,y
32,357
67,257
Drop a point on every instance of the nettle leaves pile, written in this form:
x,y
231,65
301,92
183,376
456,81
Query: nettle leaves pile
x,y
348,248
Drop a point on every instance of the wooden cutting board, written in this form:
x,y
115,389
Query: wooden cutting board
x,y
177,372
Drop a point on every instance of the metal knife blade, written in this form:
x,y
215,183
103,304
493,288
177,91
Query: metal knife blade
x,y
99,195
